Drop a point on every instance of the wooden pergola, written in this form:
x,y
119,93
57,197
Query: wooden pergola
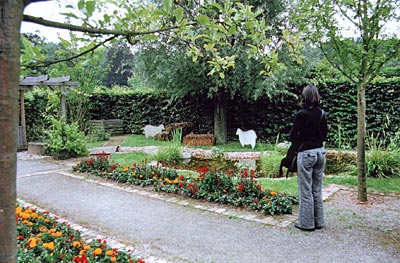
x,y
63,84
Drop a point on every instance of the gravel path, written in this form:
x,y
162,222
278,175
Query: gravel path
x,y
162,229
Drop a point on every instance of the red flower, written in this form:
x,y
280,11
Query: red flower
x,y
113,167
240,187
140,261
181,177
90,162
244,173
252,174
81,258
20,237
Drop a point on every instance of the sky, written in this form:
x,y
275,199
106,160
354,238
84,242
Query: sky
x,y
49,10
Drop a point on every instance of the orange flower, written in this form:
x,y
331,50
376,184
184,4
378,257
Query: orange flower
x,y
126,169
97,252
273,193
86,247
76,244
57,234
109,253
32,242
49,245
113,259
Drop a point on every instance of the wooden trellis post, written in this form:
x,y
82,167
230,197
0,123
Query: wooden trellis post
x,y
62,83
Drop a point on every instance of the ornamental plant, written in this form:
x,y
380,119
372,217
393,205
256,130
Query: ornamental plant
x,y
42,238
65,140
225,187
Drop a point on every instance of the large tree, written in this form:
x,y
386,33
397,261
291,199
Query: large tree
x,y
166,65
134,22
355,37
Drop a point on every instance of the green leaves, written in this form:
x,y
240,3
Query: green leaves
x,y
87,7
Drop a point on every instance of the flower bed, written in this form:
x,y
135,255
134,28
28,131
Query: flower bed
x,y
42,238
238,189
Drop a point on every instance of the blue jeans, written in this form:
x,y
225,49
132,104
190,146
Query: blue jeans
x,y
310,170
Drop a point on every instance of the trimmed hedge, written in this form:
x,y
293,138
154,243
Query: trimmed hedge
x,y
268,117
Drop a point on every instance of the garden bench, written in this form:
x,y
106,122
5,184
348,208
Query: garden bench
x,y
112,126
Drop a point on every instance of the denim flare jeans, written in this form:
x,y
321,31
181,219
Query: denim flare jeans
x,y
310,170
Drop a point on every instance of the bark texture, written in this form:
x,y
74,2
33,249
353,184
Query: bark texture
x,y
220,125
10,20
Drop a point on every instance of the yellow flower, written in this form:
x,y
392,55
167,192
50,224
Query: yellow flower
x,y
53,230
133,173
86,247
113,259
97,251
49,245
82,252
109,253
176,180
76,244
26,222
18,210
57,234
126,169
32,242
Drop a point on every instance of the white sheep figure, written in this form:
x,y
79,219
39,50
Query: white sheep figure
x,y
247,137
151,131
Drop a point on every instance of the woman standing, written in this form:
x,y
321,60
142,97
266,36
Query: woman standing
x,y
309,131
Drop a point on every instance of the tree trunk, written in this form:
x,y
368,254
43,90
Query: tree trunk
x,y
361,134
10,17
220,127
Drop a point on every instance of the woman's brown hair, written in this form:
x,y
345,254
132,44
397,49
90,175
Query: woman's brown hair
x,y
310,97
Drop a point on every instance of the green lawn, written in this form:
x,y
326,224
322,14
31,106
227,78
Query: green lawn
x,y
130,158
140,140
91,145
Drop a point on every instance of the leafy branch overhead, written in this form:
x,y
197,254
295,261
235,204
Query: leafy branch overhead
x,y
209,29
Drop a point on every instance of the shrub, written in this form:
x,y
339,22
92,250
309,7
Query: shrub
x,y
383,161
65,140
172,152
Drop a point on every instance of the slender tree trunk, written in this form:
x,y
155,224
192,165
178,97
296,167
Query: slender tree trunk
x,y
220,127
361,134
10,19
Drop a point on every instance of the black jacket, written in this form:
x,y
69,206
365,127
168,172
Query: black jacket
x,y
310,129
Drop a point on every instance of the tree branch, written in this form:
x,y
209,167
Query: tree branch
x,y
127,33
42,64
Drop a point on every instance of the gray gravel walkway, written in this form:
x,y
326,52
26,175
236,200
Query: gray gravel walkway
x,y
164,229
